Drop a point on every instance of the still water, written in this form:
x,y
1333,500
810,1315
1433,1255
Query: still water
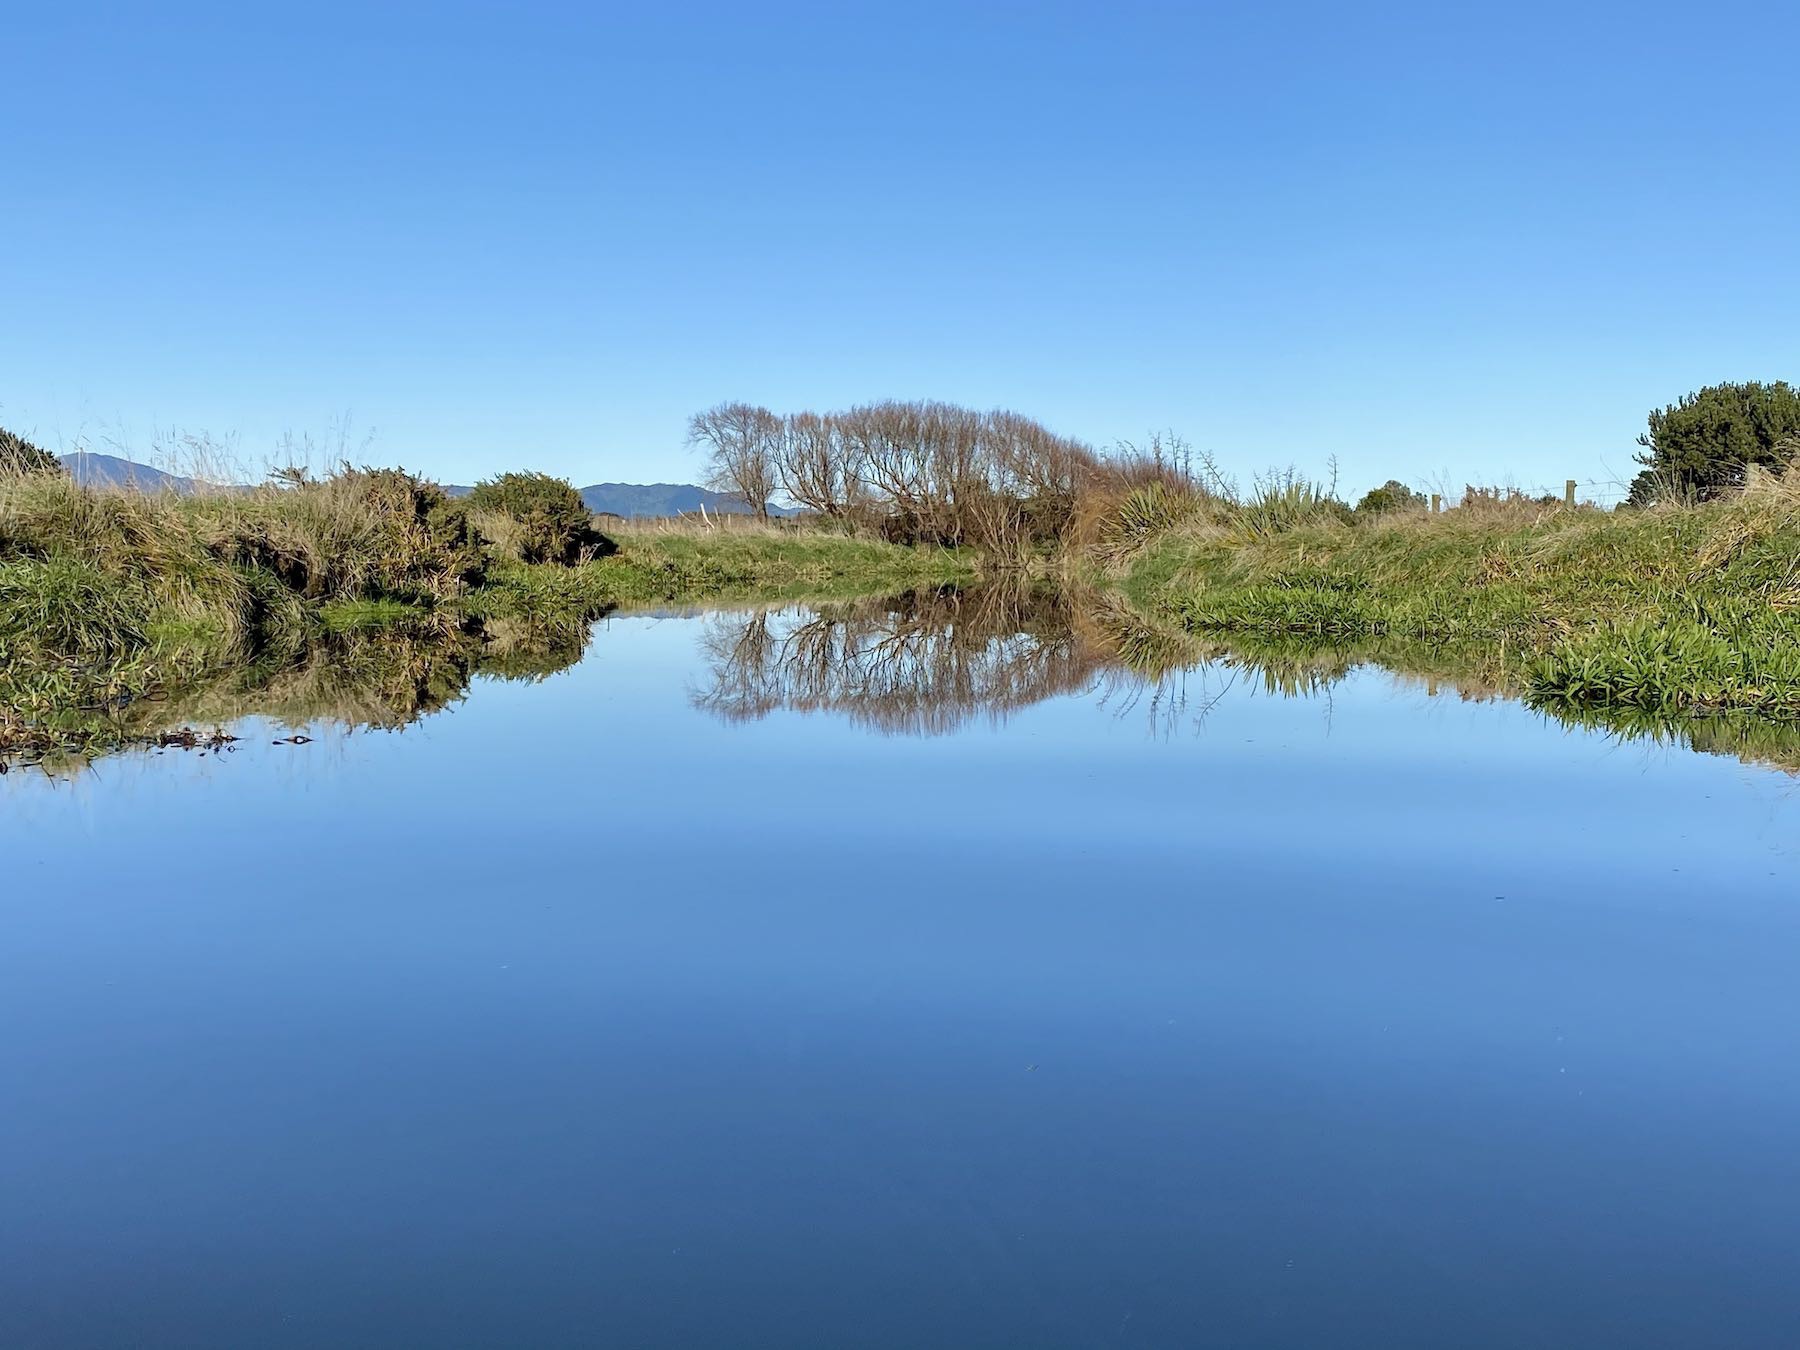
x,y
763,981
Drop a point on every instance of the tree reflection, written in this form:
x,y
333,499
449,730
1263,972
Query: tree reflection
x,y
923,663
929,662
919,664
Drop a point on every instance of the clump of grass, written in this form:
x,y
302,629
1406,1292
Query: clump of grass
x,y
1119,515
1284,501
1141,514
93,573
356,534
71,606
1748,663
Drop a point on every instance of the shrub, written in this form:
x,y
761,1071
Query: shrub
x,y
426,545
1392,495
19,456
536,518
1699,448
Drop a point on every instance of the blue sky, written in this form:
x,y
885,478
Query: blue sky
x,y
1434,241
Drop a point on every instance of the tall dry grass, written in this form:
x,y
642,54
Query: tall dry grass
x,y
91,572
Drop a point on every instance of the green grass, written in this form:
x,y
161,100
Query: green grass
x,y
661,566
1749,663
1684,611
353,616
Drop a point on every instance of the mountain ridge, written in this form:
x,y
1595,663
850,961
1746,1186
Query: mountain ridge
x,y
630,500
92,469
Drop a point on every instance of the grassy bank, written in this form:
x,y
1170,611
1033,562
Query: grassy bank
x,y
109,599
680,562
1678,610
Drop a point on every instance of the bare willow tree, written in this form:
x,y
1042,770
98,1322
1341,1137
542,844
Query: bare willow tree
x,y
917,472
921,460
744,445
956,476
1032,481
819,469
1030,460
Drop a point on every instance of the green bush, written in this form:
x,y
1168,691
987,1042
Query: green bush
x,y
1698,448
427,546
20,456
1392,495
536,519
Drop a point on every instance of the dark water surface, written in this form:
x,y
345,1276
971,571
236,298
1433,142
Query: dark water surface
x,y
698,997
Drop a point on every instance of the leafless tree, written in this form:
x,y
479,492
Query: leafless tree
x,y
922,461
743,445
817,469
914,471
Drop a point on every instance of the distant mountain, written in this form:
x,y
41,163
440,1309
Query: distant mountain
x,y
635,500
96,470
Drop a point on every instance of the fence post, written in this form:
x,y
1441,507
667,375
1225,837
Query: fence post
x,y
1569,492
1435,499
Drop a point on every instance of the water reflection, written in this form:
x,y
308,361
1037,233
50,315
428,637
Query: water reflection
x,y
379,679
929,662
922,663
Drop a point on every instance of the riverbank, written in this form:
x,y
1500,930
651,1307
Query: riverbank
x,y
1677,611
680,563
112,601
308,596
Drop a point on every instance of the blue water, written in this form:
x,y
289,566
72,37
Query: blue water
x,y
581,1015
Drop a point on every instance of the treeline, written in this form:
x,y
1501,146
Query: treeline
x,y
935,472
912,472
1004,484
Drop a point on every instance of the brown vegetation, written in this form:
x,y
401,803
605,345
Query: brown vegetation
x,y
928,472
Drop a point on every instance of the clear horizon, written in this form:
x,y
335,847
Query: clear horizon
x,y
1440,247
